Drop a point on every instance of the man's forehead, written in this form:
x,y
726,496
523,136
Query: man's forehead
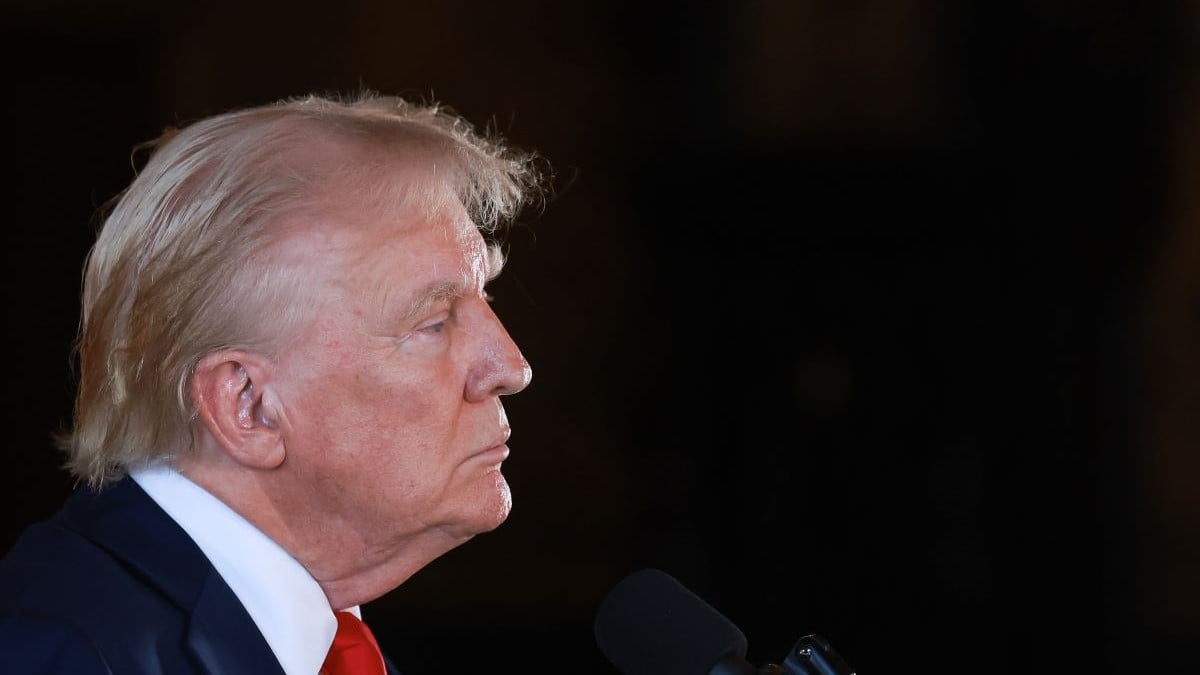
x,y
389,257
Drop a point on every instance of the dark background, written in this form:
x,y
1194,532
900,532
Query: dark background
x,y
871,318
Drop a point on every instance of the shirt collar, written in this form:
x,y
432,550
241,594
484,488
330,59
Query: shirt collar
x,y
281,597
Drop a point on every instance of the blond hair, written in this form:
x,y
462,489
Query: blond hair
x,y
170,275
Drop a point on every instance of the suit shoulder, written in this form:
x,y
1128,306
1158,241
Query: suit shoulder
x,y
32,643
50,565
54,572
61,591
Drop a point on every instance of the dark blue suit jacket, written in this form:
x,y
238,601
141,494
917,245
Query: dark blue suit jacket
x,y
112,585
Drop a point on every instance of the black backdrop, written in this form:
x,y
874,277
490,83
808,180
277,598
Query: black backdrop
x,y
834,312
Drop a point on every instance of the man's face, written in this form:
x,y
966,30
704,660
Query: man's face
x,y
392,419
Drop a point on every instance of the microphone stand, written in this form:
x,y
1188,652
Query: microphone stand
x,y
811,655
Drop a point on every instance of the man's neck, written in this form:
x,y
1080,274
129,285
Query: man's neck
x,y
349,570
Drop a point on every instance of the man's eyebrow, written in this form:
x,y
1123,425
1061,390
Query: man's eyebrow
x,y
429,295
447,290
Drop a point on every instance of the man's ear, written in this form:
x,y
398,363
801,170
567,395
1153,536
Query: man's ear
x,y
236,406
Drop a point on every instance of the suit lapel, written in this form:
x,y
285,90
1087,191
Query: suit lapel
x,y
223,637
124,521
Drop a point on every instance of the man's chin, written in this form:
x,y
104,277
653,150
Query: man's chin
x,y
486,514
503,504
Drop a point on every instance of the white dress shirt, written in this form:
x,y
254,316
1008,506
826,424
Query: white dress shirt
x,y
285,602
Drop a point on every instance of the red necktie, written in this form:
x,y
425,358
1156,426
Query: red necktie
x,y
354,650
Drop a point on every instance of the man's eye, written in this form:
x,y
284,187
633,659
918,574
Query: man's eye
x,y
434,327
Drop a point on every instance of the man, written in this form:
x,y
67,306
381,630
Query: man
x,y
289,396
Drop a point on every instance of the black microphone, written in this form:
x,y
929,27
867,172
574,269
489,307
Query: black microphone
x,y
650,624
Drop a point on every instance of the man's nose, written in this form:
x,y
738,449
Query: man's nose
x,y
500,369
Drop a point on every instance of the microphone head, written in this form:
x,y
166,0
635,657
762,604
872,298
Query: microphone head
x,y
649,624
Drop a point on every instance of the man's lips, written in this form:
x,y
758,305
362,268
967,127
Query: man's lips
x,y
497,449
495,454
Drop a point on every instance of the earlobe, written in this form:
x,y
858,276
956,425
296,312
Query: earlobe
x,y
236,408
